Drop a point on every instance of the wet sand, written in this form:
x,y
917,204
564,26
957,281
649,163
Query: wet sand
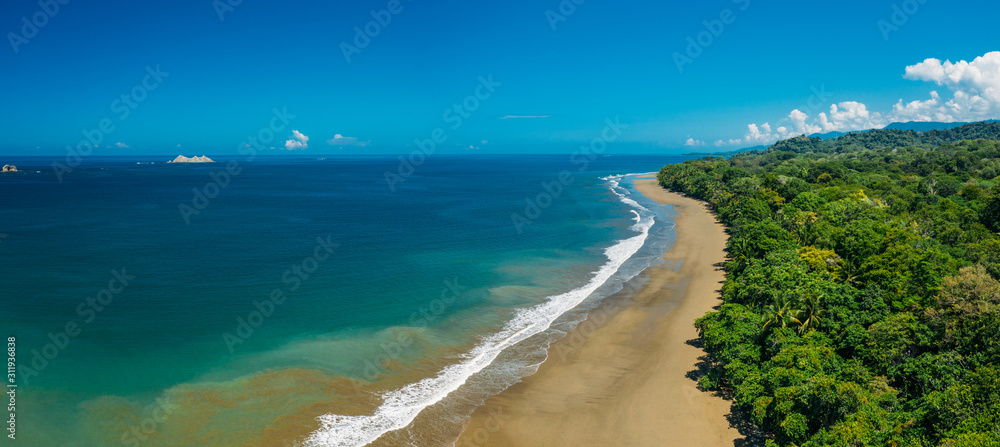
x,y
625,377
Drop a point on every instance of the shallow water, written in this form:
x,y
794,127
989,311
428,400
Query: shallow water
x,y
431,282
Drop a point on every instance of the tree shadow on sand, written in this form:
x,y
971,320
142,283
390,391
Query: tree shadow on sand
x,y
752,436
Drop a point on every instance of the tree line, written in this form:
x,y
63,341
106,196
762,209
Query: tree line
x,y
861,301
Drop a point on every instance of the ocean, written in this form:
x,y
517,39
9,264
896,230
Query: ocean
x,y
313,301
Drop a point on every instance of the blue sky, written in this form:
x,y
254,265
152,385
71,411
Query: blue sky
x,y
221,79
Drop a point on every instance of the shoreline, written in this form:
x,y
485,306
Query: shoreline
x,y
624,376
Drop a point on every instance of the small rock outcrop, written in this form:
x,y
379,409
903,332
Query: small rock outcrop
x,y
183,159
9,168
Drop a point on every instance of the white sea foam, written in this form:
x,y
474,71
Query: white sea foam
x,y
400,407
615,180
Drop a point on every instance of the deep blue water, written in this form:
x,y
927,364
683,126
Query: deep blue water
x,y
191,282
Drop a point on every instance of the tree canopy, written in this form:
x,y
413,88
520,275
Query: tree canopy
x,y
862,301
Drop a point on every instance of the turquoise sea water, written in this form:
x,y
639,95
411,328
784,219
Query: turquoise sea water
x,y
301,288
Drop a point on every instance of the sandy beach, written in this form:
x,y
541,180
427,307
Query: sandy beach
x,y
624,377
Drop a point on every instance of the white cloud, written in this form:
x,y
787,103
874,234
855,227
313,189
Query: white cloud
x,y
121,145
929,110
340,140
841,117
693,142
298,141
850,115
975,88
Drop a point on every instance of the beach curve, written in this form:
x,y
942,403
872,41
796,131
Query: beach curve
x,y
630,380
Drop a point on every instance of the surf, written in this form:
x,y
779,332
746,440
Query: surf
x,y
400,407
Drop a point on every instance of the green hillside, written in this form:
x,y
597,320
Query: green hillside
x,y
862,301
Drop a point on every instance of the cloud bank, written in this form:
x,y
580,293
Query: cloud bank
x,y
693,142
340,140
298,141
975,96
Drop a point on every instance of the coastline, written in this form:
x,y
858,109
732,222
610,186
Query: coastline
x,y
627,381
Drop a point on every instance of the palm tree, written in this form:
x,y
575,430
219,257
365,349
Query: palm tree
x,y
738,252
808,317
777,313
847,271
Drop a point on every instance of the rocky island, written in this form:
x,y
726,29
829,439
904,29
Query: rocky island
x,y
9,168
183,159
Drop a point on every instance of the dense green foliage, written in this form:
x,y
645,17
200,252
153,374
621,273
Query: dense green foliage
x,y
879,139
861,303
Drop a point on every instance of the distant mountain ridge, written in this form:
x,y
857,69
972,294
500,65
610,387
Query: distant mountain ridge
x,y
891,138
917,126
828,135
913,133
728,153
923,126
